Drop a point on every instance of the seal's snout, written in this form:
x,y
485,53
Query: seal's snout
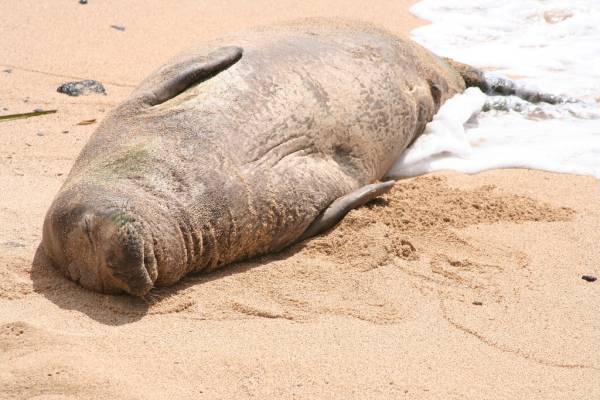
x,y
103,251
128,259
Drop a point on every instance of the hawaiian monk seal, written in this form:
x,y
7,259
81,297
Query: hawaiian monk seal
x,y
242,146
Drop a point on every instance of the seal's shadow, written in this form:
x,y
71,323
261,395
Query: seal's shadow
x,y
124,309
106,309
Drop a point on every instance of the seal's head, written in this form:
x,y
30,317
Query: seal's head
x,y
103,247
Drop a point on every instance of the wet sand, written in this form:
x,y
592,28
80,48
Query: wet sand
x,y
453,286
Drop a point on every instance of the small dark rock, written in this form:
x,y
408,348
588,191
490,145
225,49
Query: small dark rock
x,y
81,87
40,133
118,27
38,110
7,71
83,1
65,131
477,303
589,278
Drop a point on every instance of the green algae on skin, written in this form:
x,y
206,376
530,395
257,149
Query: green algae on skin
x,y
122,219
131,161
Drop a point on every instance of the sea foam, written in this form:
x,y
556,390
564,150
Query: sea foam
x,y
551,46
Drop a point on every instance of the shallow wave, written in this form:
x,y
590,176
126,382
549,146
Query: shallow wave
x,y
549,46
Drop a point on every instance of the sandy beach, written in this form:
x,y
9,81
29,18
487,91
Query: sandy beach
x,y
452,286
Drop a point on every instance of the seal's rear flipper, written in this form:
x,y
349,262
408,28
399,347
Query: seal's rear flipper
x,y
340,207
174,79
493,85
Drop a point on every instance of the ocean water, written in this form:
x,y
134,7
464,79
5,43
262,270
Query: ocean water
x,y
548,45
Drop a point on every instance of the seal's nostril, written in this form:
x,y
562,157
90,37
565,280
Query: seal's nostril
x,y
150,261
74,270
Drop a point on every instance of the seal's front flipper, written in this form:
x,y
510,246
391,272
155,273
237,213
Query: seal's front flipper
x,y
340,207
174,79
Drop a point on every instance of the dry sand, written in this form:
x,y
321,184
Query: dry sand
x,y
451,287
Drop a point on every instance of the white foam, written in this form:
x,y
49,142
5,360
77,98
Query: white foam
x,y
553,46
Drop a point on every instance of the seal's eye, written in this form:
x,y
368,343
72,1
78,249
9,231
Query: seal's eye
x,y
436,93
86,225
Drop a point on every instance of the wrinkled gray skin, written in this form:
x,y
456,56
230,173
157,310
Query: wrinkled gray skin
x,y
239,157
